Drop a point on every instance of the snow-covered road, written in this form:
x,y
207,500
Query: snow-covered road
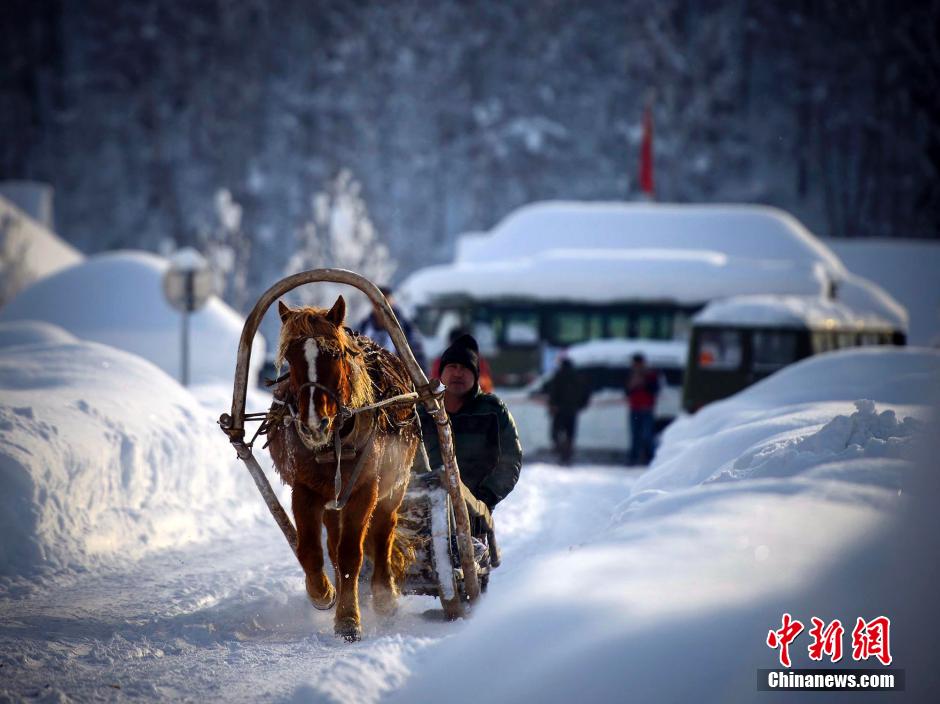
x,y
139,564
230,620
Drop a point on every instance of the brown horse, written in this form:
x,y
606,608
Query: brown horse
x,y
334,372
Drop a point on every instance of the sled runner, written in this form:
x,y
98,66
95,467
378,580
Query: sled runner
x,y
450,562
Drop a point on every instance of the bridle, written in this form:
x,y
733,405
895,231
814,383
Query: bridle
x,y
343,414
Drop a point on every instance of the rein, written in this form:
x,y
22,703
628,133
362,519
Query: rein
x,y
344,413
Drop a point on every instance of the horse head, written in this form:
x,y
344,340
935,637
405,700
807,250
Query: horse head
x,y
324,375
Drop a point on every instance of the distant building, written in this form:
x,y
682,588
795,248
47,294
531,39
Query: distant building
x,y
555,274
29,249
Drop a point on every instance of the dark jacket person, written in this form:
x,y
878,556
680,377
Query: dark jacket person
x,y
486,441
568,394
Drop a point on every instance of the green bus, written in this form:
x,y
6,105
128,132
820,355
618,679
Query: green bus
x,y
739,341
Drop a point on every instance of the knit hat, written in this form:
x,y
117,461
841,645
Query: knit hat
x,y
465,351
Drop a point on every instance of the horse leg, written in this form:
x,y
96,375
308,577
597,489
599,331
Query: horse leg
x,y
331,521
308,515
382,534
354,519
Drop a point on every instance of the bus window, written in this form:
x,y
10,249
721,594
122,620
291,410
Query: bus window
x,y
772,349
646,327
595,326
822,342
486,337
521,328
681,325
845,339
719,349
869,338
618,325
568,328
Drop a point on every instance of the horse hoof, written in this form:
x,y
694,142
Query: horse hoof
x,y
348,629
385,604
322,603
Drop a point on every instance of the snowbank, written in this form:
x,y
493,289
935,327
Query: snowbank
x,y
102,455
117,299
28,251
781,499
619,353
797,401
33,332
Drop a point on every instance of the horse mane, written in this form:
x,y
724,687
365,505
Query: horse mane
x,y
311,322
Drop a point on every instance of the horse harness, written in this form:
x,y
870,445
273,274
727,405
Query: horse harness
x,y
283,412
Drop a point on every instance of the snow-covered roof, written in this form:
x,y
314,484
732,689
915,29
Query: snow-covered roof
x,y
620,352
611,275
28,250
117,299
746,231
861,294
787,311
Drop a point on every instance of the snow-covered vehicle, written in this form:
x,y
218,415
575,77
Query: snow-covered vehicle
x,y
556,274
739,341
605,365
450,563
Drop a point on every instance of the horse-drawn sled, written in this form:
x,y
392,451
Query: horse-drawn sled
x,y
343,431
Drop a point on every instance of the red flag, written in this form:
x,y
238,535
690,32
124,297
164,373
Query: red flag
x,y
646,154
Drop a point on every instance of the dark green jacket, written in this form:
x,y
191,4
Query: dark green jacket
x,y
489,454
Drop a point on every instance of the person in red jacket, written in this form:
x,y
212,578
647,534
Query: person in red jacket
x,y
642,389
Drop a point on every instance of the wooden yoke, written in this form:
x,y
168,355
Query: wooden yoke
x,y
233,424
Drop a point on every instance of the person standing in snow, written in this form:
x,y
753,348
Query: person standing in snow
x,y
486,440
372,327
568,394
642,390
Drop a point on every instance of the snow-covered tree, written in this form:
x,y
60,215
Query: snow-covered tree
x,y
339,234
227,248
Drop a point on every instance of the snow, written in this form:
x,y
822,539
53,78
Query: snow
x,y
787,311
785,405
740,231
607,275
117,299
687,254
28,251
614,352
102,455
907,269
673,601
33,332
166,583
863,295
188,259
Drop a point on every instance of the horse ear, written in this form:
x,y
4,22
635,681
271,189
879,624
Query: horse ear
x,y
283,311
337,314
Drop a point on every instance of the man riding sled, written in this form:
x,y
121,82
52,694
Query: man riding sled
x,y
486,440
